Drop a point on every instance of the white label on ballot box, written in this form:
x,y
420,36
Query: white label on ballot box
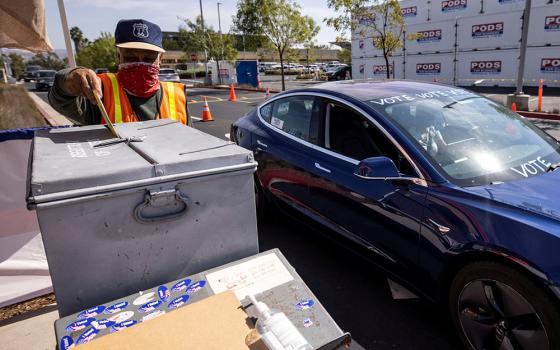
x,y
251,277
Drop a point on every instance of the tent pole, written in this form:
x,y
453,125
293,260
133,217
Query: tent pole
x,y
66,32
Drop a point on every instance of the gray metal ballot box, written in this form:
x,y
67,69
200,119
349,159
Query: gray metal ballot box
x,y
268,276
119,215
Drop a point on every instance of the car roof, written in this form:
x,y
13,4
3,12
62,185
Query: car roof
x,y
365,90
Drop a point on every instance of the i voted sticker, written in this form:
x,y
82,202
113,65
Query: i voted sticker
x,y
153,315
163,293
66,343
305,304
118,307
79,325
307,323
102,324
181,285
144,298
87,336
123,316
120,326
94,311
151,306
195,287
177,302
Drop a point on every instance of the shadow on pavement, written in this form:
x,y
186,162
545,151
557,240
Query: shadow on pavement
x,y
355,292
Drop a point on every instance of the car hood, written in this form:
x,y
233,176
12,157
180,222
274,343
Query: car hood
x,y
539,194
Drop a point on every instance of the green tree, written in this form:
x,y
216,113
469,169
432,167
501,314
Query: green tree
x,y
281,21
48,61
101,53
248,23
78,38
383,18
16,64
197,39
344,56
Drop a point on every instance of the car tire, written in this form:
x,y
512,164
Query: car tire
x,y
492,305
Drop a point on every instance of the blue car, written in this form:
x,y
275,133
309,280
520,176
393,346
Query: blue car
x,y
455,196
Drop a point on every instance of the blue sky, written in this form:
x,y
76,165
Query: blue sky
x,y
96,16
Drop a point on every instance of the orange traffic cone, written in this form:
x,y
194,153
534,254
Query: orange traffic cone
x,y
232,96
514,107
267,93
206,114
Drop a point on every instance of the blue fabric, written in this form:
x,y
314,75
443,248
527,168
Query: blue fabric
x,y
23,134
138,30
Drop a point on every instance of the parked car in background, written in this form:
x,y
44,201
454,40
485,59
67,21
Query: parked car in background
x,y
29,72
44,79
169,74
101,70
340,73
454,195
264,66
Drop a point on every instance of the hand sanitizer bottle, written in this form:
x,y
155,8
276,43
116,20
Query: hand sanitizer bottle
x,y
276,329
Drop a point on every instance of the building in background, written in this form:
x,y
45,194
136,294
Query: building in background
x,y
468,42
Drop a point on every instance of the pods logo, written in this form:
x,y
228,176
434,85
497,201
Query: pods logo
x,y
429,36
550,65
381,69
453,5
487,30
552,23
409,11
428,68
486,67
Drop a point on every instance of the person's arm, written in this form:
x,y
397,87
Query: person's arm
x,y
72,95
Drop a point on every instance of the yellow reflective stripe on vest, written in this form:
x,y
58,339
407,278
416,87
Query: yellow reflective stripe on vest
x,y
171,99
116,97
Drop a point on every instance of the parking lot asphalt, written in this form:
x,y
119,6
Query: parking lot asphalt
x,y
352,289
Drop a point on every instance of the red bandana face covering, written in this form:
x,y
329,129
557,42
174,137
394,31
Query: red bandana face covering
x,y
139,78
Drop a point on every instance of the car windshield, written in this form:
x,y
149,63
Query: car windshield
x,y
473,140
47,74
166,71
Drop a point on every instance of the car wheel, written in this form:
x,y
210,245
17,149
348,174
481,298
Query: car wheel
x,y
496,307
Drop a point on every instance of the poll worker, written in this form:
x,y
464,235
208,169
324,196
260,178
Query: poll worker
x,y
133,93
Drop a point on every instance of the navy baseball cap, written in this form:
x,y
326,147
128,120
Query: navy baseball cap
x,y
138,34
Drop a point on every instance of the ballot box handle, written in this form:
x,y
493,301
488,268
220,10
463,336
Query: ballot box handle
x,y
162,205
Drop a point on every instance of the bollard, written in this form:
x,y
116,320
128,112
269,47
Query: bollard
x,y
514,107
539,101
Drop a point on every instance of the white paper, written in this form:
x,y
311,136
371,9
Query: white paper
x,y
251,277
279,123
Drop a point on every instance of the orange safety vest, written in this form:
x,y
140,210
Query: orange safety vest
x,y
115,100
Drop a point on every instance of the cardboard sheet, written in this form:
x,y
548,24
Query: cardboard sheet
x,y
214,323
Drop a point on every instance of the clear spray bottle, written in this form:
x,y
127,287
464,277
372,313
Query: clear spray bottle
x,y
276,329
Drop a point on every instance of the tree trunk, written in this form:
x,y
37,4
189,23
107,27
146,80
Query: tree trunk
x,y
387,66
282,69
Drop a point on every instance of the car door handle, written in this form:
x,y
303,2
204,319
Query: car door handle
x,y
318,166
442,229
260,143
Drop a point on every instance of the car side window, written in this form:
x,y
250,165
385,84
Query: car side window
x,y
296,115
352,135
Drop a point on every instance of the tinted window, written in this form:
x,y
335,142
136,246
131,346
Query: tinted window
x,y
294,115
166,71
350,134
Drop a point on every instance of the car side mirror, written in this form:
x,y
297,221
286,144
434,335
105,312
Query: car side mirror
x,y
377,168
